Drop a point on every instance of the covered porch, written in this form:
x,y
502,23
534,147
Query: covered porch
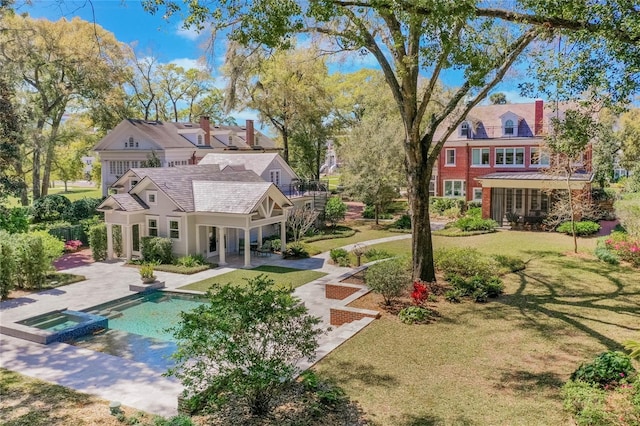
x,y
524,196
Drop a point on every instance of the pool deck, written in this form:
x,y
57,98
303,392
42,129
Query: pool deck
x,y
135,384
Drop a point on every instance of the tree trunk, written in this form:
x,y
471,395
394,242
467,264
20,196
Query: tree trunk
x,y
285,145
65,186
422,244
48,163
37,147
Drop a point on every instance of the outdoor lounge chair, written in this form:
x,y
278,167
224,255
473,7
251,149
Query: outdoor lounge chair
x,y
265,250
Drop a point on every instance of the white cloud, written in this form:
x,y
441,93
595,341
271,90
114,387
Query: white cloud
x,y
190,33
188,63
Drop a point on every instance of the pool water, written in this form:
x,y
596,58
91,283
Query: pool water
x,y
149,315
138,327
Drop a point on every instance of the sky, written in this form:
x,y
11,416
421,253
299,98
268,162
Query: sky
x,y
171,43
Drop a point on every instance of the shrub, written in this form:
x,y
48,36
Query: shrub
x,y
276,244
295,251
441,204
69,232
255,335
376,254
334,211
608,368
582,228
14,220
466,262
370,213
49,208
81,209
404,222
452,213
474,205
191,260
586,403
420,292
33,255
453,296
390,278
471,223
117,240
157,249
624,247
338,253
414,315
603,253
52,247
98,241
7,265
72,246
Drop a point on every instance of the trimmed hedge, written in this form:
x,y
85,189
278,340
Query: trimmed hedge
x,y
583,228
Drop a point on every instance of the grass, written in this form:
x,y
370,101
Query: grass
x,y
282,276
74,193
503,362
31,402
363,233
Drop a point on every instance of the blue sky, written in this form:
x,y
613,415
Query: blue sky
x,y
171,43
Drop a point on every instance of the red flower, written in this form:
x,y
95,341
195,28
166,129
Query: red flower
x,y
420,292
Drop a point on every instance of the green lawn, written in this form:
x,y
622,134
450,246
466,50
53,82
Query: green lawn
x,y
282,276
363,233
73,194
497,363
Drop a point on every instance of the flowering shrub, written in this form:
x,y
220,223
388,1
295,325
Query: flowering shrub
x,y
607,369
420,292
72,246
624,247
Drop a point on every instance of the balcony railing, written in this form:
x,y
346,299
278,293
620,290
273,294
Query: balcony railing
x,y
522,130
301,188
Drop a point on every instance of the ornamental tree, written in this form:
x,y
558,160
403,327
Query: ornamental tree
x,y
415,42
244,342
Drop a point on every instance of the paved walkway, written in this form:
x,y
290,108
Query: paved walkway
x,y
136,384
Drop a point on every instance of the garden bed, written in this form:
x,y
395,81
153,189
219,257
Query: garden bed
x,y
53,280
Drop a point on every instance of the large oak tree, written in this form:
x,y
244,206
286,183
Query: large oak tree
x,y
478,40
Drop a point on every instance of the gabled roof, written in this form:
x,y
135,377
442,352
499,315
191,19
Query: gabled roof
x,y
256,161
168,135
232,197
124,202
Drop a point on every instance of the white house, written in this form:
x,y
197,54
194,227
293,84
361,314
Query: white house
x,y
220,206
175,144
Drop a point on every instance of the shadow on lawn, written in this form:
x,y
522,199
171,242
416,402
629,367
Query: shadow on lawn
x,y
430,420
42,401
526,381
347,371
577,306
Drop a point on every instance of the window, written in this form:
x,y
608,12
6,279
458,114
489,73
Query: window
x,y
539,157
130,143
480,156
454,188
133,183
152,198
509,156
118,168
152,227
508,128
199,139
464,130
274,176
477,194
432,186
174,229
450,157
539,201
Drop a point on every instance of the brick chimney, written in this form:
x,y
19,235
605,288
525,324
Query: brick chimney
x,y
539,117
250,133
206,126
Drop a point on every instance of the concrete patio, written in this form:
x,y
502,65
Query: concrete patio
x,y
136,384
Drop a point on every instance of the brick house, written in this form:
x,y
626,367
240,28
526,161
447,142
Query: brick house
x,y
497,157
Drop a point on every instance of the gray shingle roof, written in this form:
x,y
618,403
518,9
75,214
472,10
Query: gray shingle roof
x,y
129,203
256,161
228,197
176,182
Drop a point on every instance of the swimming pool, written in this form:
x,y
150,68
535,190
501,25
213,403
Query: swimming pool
x,y
138,327
147,314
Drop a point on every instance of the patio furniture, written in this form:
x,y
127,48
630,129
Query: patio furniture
x,y
265,249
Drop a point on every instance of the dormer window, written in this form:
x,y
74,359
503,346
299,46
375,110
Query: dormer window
x,y
464,130
130,144
199,139
230,140
508,128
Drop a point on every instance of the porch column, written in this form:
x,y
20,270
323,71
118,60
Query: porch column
x,y
202,252
109,241
127,236
259,236
283,235
247,248
222,247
